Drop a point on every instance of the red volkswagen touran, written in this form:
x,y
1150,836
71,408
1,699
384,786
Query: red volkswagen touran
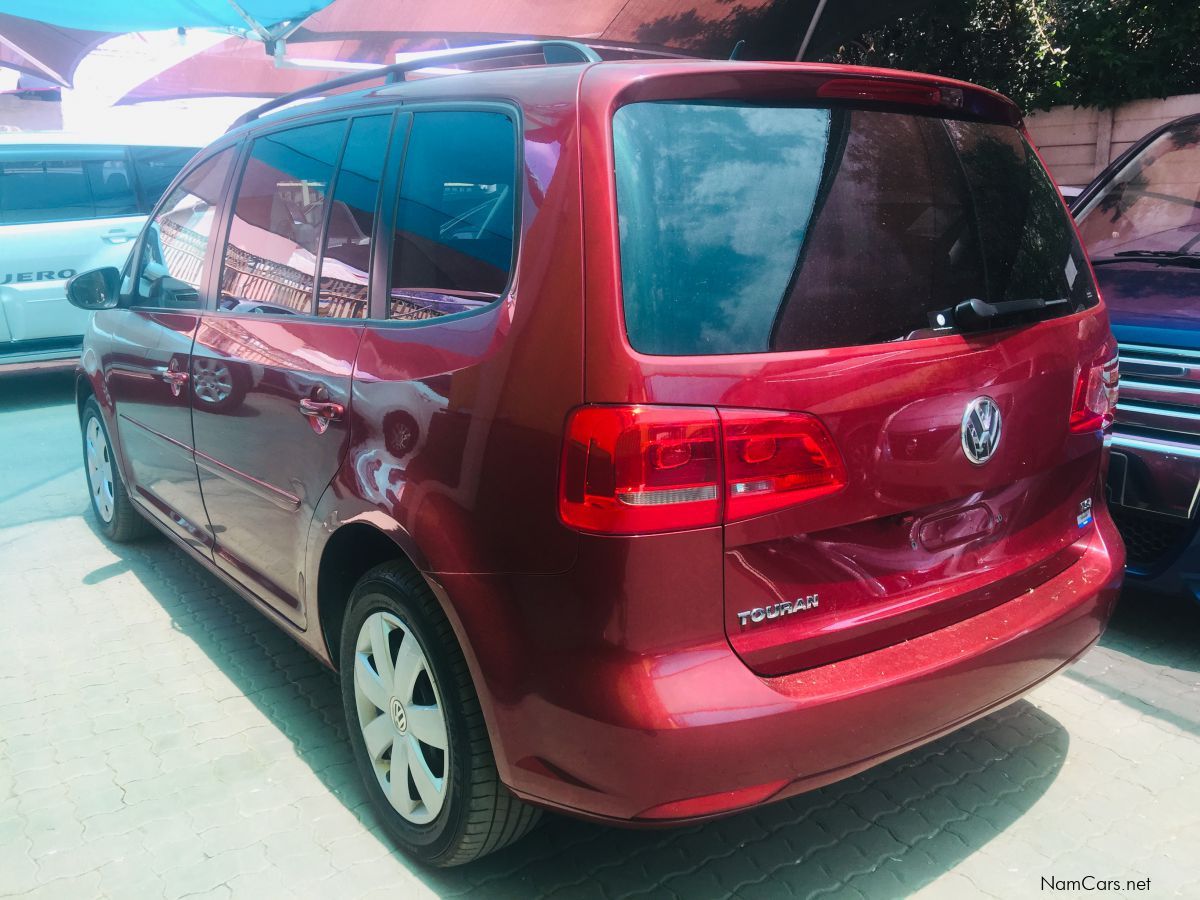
x,y
642,440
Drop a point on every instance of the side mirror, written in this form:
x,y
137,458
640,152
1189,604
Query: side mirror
x,y
95,289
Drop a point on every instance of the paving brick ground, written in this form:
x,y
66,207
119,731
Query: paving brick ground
x,y
160,738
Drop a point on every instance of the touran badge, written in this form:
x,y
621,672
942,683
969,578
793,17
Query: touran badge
x,y
776,610
981,430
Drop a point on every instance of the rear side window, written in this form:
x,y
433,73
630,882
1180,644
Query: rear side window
x,y
346,259
59,190
156,168
453,235
278,217
748,228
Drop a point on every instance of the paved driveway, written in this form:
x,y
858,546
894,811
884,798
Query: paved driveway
x,y
159,737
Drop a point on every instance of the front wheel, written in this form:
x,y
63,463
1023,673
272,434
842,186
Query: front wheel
x,y
416,727
114,511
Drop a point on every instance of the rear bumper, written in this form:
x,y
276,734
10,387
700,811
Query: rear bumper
x,y
695,733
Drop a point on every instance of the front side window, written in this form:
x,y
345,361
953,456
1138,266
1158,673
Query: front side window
x,y
1152,205
453,235
60,190
748,228
177,237
278,217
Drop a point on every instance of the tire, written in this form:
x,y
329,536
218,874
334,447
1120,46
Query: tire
x,y
465,812
112,509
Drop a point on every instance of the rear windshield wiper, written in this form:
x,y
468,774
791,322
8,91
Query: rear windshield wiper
x,y
1157,257
979,315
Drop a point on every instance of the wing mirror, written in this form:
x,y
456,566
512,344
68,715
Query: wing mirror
x,y
95,289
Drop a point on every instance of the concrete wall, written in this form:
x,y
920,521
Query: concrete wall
x,y
1078,142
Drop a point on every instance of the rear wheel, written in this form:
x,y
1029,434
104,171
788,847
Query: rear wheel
x,y
416,727
114,511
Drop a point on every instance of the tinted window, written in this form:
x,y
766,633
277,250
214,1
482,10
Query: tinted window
x,y
278,217
177,237
156,168
56,190
757,228
346,260
453,236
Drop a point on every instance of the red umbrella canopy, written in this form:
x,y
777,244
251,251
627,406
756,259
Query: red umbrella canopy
x,y
239,68
47,51
772,29
370,31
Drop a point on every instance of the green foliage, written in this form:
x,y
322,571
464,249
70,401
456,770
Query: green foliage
x,y
1048,52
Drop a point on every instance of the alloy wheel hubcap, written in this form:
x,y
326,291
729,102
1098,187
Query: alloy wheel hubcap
x,y
401,717
214,382
100,469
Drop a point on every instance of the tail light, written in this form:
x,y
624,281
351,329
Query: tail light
x,y
642,469
773,460
1095,402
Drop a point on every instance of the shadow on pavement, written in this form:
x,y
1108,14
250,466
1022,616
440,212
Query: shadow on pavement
x,y
1149,658
886,832
41,464
36,390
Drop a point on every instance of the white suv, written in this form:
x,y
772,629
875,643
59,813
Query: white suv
x,y
67,204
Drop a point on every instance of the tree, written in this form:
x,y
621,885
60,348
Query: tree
x,y
1047,52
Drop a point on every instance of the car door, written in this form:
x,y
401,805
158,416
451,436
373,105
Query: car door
x,y
63,209
146,366
272,363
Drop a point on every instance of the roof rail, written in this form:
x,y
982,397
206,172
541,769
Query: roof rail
x,y
553,51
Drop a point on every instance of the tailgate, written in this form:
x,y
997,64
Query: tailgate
x,y
813,259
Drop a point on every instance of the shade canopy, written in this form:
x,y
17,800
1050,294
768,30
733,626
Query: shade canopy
x,y
772,29
47,51
370,31
123,15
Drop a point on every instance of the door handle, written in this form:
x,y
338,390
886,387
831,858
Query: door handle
x,y
117,237
176,380
321,412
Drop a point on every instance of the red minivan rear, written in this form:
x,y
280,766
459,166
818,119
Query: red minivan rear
x,y
842,320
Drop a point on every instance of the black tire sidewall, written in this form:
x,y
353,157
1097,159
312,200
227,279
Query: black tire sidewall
x,y
438,838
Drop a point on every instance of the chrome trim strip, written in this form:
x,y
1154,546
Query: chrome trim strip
x,y
1147,410
270,493
1169,352
1156,445
1154,386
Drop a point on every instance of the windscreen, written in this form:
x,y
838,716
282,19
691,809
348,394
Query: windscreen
x,y
1152,205
752,228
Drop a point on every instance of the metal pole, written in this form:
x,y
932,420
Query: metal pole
x,y
812,27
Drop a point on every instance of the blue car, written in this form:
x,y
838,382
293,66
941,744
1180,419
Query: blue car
x,y
1140,220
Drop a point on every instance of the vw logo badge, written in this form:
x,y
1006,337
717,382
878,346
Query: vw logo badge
x,y
981,430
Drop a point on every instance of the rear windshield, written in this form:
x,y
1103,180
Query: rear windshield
x,y
749,228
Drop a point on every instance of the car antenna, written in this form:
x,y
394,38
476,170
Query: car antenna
x,y
737,49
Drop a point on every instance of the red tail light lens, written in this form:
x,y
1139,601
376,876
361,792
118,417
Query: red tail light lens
x,y
1095,402
773,460
642,469
636,469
